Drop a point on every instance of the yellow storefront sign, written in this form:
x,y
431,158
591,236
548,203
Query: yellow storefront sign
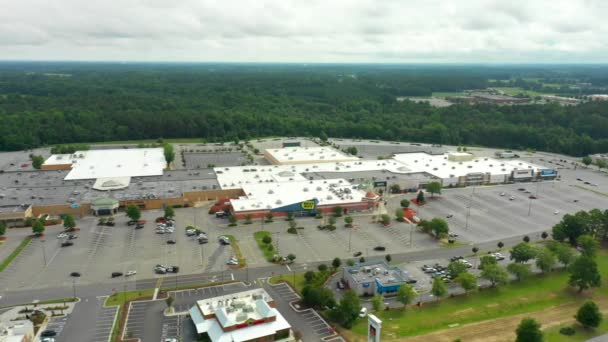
x,y
308,205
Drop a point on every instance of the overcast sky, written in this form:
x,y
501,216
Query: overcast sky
x,y
392,31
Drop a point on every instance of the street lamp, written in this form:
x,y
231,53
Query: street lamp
x,y
350,233
43,251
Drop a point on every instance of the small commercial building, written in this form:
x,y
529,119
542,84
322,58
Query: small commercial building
x,y
15,215
240,317
17,331
373,277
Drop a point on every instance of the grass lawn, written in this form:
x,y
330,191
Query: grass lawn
x,y
581,334
300,282
259,235
15,253
531,295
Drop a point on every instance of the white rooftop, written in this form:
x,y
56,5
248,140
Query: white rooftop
x,y
288,155
116,163
440,166
268,196
58,159
237,309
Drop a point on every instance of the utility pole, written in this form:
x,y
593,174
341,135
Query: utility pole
x,y
74,287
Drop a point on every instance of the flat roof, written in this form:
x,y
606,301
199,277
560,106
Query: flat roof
x,y
95,164
380,271
266,196
237,309
289,155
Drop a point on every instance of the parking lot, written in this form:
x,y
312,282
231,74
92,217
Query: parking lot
x,y
90,321
100,250
201,160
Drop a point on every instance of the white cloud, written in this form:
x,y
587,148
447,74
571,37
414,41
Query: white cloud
x,y
306,31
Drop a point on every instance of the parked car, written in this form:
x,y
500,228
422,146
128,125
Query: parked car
x,y
131,223
190,232
172,269
62,235
356,254
160,269
139,226
67,244
511,198
502,194
521,189
203,241
47,339
130,273
411,281
72,236
224,240
110,224
75,274
221,213
363,312
454,258
340,285
170,242
449,215
48,333
380,248
116,274
532,197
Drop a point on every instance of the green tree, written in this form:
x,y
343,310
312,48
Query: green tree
x,y
563,253
571,227
309,276
529,331
169,301
405,203
487,260
232,220
589,315
336,263
38,227
406,295
348,220
467,281
347,311
388,258
522,252
338,211
291,257
2,228
439,288
440,227
68,222
545,260
399,215
378,302
332,221
433,188
323,136
386,220
584,273
169,154
133,212
494,274
520,271
587,160
289,216
601,164
350,262
395,188
37,162
169,212
318,297
456,268
322,268
500,245
267,239
588,245
420,197
352,150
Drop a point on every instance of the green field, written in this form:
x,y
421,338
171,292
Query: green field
x,y
582,334
300,282
15,253
539,292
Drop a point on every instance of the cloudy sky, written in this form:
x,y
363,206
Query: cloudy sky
x,y
391,31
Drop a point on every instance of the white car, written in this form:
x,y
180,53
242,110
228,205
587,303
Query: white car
x,y
556,212
130,273
511,198
363,312
502,194
62,236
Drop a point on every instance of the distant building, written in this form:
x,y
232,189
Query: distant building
x,y
305,155
506,155
370,278
244,316
598,97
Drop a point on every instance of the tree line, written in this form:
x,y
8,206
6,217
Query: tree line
x,y
223,103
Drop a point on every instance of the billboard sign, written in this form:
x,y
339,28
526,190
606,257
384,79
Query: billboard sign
x,y
308,205
379,184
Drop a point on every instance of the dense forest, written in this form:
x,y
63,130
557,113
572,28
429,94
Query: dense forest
x,y
52,103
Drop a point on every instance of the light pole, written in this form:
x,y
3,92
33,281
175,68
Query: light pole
x,y
350,233
43,251
74,288
469,209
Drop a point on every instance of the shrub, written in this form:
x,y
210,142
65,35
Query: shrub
x,y
405,203
292,230
267,239
568,331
